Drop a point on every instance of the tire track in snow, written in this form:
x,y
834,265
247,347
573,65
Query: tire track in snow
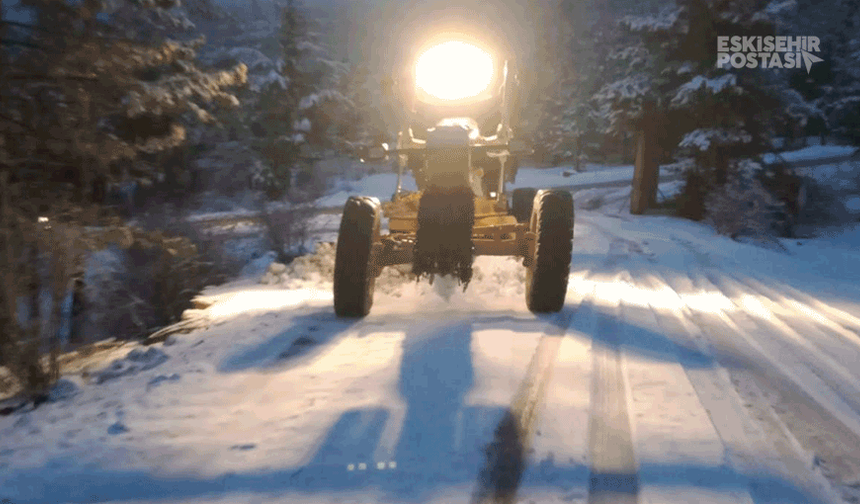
x,y
824,315
612,462
506,455
778,354
749,450
682,455
759,443
779,402
620,248
499,479
785,326
558,463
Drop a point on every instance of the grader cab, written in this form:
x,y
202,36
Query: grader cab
x,y
458,108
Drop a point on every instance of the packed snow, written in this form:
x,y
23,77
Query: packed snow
x,y
733,364
382,185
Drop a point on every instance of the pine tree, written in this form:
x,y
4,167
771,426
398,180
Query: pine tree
x,y
833,85
564,112
85,90
84,95
279,103
319,104
668,81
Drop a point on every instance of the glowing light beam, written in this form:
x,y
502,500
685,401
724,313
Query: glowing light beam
x,y
454,70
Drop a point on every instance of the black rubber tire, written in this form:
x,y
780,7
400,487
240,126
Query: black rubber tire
x,y
552,223
521,203
353,275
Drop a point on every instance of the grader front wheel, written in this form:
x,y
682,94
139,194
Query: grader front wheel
x,y
546,277
353,272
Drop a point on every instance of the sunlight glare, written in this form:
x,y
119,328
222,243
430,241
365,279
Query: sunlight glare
x,y
665,298
809,312
708,302
754,306
610,293
264,300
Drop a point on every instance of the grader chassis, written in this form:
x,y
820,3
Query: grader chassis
x,y
543,242
459,153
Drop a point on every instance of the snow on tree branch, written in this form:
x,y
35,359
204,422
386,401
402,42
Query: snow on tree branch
x,y
306,46
663,21
131,57
320,96
628,88
175,138
252,58
775,11
685,68
779,7
688,91
798,108
258,83
175,93
703,139
633,55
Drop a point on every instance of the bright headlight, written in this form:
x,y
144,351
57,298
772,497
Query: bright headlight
x,y
454,70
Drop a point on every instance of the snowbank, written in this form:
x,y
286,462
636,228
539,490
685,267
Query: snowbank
x,y
810,153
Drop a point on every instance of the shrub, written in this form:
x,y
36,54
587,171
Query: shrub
x,y
174,259
742,206
691,200
149,280
41,255
287,231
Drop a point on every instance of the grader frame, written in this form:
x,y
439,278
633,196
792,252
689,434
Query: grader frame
x,y
461,209
495,233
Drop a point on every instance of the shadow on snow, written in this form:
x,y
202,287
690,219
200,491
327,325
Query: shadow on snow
x,y
442,441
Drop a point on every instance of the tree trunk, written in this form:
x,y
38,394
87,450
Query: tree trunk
x,y
625,147
256,10
719,165
77,324
646,172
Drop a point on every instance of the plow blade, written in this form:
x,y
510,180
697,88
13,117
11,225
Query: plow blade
x,y
443,243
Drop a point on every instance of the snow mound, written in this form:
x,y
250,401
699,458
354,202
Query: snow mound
x,y
498,276
258,266
317,271
63,390
136,361
491,277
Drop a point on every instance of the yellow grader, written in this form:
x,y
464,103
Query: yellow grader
x,y
457,110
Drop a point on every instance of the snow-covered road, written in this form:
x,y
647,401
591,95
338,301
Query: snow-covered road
x,y
685,367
